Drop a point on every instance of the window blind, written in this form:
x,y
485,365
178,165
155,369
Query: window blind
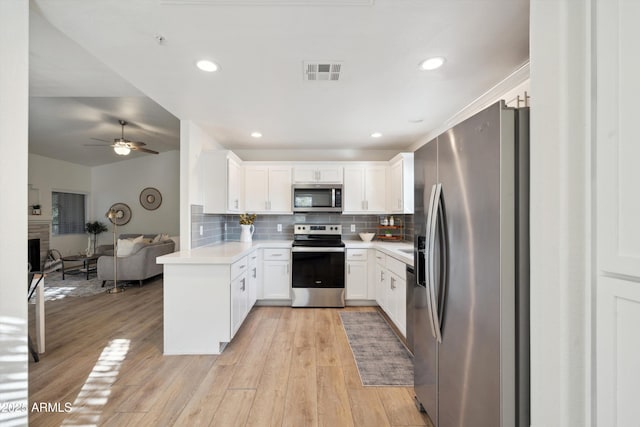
x,y
68,213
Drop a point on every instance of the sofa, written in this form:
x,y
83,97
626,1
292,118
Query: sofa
x,y
140,263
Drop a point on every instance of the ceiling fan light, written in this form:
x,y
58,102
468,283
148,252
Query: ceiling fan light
x,y
121,149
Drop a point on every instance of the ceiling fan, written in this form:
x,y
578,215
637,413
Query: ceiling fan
x,y
123,146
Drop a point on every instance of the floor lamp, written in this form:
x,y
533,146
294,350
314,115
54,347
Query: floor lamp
x,y
113,217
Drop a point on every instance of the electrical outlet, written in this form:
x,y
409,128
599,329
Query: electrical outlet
x,y
279,227
353,228
201,230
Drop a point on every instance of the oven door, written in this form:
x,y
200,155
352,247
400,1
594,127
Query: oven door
x,y
317,267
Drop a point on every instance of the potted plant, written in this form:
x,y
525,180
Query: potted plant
x,y
94,228
35,209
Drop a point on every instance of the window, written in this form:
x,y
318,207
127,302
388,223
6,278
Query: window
x,y
68,213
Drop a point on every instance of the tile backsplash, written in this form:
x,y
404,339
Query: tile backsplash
x,y
220,227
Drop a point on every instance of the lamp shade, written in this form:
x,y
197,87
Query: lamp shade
x,y
121,148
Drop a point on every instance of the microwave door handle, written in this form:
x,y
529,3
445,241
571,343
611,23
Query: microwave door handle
x,y
333,197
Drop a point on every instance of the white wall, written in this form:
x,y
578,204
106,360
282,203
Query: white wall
x,y
14,117
560,200
47,175
123,181
193,141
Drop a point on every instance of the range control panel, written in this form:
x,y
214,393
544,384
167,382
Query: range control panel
x,y
317,229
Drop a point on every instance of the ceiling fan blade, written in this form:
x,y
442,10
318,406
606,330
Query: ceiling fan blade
x,y
96,145
135,144
98,139
144,150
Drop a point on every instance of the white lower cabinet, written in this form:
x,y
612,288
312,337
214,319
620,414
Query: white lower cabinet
x,y
276,274
357,275
240,301
253,277
391,289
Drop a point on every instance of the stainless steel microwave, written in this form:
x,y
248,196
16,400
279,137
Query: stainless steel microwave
x,y
317,197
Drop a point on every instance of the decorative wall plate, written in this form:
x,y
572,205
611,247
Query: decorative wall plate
x,y
150,198
122,214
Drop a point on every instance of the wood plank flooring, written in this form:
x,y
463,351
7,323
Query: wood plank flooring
x,y
285,367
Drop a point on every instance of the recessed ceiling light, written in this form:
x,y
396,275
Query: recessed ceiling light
x,y
376,135
256,134
206,65
432,63
416,120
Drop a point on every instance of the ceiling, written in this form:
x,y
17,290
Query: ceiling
x,y
93,63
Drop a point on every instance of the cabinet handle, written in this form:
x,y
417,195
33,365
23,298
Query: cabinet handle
x,y
287,268
349,269
243,266
276,255
356,254
382,276
255,273
243,285
366,205
393,283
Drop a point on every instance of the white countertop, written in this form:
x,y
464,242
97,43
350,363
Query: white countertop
x,y
394,249
220,253
230,252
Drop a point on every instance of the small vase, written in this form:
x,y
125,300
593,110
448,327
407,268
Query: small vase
x,y
89,250
247,232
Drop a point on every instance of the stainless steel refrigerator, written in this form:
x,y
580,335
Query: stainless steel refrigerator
x,y
471,327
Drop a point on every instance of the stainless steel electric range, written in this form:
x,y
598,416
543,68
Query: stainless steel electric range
x,y
318,266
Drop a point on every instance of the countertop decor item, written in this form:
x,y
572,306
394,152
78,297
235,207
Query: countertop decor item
x,y
246,224
121,214
150,198
247,219
367,237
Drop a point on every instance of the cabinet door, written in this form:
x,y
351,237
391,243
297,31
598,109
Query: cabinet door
x,y
304,174
356,283
382,289
276,280
395,202
329,174
252,280
398,304
376,189
280,190
353,189
238,302
256,188
234,186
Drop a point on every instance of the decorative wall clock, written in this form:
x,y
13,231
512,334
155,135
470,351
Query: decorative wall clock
x,y
122,214
150,198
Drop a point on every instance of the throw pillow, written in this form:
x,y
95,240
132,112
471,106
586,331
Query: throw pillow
x,y
125,246
157,238
165,237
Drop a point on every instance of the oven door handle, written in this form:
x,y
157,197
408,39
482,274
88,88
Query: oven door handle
x,y
315,249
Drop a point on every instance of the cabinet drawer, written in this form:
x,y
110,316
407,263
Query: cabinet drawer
x,y
276,254
238,267
396,266
357,254
380,258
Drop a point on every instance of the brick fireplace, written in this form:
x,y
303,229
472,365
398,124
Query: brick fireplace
x,y
41,229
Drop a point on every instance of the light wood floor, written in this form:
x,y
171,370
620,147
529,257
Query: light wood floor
x,y
285,367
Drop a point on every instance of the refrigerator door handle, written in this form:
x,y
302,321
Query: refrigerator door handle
x,y
438,222
427,261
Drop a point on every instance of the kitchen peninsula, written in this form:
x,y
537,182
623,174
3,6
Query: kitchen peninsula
x,y
208,291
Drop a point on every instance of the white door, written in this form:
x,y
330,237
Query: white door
x,y
353,189
618,212
276,279
356,283
376,189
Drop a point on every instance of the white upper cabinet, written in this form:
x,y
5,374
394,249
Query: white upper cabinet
x,y
364,188
400,191
320,173
267,188
221,176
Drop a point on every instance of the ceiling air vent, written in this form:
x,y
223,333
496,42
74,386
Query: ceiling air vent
x,y
322,71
